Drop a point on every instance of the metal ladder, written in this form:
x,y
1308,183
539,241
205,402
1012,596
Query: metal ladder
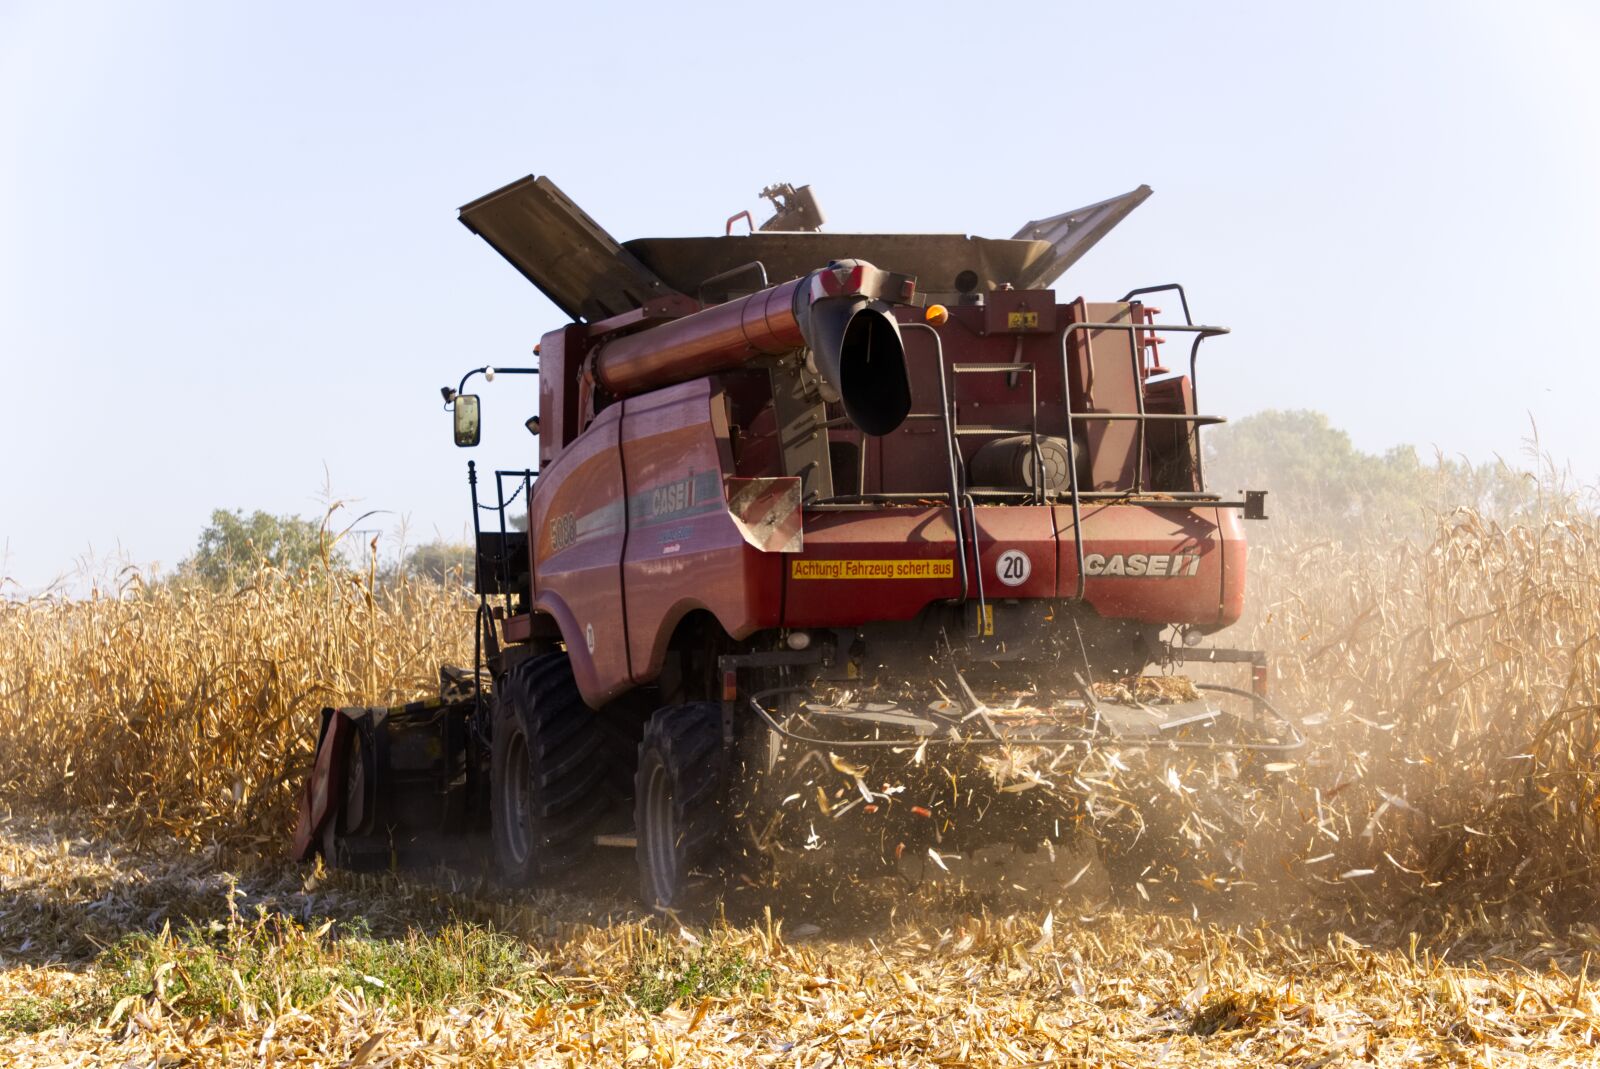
x,y
963,509
1133,327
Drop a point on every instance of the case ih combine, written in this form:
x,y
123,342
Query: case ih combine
x,y
828,531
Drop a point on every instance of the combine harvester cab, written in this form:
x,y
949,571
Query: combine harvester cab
x,y
821,523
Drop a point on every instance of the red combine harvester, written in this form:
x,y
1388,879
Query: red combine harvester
x,y
827,531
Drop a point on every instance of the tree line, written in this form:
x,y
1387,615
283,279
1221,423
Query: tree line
x,y
1319,485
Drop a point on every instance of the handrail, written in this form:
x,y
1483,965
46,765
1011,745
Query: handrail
x,y
1039,493
1165,287
1202,332
528,476
1072,469
1185,328
1171,417
977,554
956,493
950,451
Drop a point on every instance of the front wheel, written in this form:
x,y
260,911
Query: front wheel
x,y
545,786
680,792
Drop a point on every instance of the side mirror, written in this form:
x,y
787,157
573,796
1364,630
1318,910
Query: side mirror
x,y
468,429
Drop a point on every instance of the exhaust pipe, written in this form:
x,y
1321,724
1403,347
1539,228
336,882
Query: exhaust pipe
x,y
841,314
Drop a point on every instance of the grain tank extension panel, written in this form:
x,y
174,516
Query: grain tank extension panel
x,y
590,275
558,248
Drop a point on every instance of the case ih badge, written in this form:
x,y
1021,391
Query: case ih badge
x,y
1142,565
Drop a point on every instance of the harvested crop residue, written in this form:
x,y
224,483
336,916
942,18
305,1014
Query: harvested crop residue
x,y
1151,690
274,969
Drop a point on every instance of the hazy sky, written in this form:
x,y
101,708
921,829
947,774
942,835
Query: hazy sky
x,y
230,269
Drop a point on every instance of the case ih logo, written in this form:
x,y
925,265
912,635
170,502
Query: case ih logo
x,y
693,495
1142,565
673,497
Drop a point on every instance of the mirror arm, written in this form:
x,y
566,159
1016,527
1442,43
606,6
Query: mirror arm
x,y
462,388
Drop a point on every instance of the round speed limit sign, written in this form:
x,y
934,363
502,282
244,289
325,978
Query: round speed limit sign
x,y
1013,567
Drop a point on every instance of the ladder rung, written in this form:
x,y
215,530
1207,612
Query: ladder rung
x,y
976,428
979,368
1165,417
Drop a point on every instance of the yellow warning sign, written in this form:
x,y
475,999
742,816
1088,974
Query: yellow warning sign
x,y
1022,320
872,569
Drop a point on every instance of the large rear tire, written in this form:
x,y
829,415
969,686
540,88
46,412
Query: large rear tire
x,y
680,793
545,776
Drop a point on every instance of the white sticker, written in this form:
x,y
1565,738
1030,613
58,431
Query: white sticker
x,y
588,637
1013,567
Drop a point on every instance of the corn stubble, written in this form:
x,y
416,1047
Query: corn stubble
x,y
1446,809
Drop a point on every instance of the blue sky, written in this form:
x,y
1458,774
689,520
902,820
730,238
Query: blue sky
x,y
231,275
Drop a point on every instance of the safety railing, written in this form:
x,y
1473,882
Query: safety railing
x,y
961,499
499,577
1201,333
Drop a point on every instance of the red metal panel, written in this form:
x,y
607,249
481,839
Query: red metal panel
x,y
560,353
1004,533
578,525
1103,369
835,582
517,628
1235,556
684,551
889,564
1172,446
1159,565
1020,312
913,458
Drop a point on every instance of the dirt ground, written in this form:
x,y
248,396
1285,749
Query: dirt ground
x,y
934,976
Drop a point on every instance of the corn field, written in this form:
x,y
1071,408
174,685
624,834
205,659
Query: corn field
x,y
154,734
178,710
1448,684
1451,686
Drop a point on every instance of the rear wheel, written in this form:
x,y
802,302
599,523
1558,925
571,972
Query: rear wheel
x,y
546,793
679,799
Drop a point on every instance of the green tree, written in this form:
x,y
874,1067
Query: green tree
x,y
234,545
1320,485
440,561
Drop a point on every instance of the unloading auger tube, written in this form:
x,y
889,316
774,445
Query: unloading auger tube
x,y
840,314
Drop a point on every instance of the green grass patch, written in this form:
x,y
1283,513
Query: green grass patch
x,y
665,974
32,1013
275,962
